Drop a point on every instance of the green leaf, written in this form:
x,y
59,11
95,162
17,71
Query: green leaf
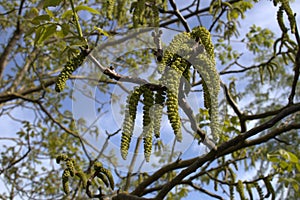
x,y
49,31
298,166
234,14
51,3
30,32
273,157
51,14
67,14
292,157
37,20
44,32
288,155
87,8
295,186
38,34
65,29
33,12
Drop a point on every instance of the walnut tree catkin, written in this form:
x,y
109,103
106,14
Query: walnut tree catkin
x,y
205,64
159,100
98,167
147,121
69,68
128,124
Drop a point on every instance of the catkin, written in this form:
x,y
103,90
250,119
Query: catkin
x,y
240,189
147,121
172,79
280,19
128,124
68,69
65,181
160,98
206,66
100,169
103,178
109,8
289,12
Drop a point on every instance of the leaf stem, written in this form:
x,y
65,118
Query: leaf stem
x,y
76,20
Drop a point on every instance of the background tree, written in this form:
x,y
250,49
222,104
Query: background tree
x,y
259,102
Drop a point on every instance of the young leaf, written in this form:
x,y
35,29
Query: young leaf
x,y
37,20
87,8
51,3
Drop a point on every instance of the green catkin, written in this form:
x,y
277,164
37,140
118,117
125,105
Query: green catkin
x,y
206,95
103,178
164,4
98,167
138,16
155,17
80,174
160,98
109,8
69,68
289,12
61,157
202,35
232,174
240,189
176,65
70,166
120,11
259,190
65,181
141,6
280,19
128,124
148,120
172,80
166,61
249,190
70,171
109,177
187,76
205,65
135,15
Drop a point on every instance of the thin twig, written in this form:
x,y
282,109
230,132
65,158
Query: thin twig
x,y
179,16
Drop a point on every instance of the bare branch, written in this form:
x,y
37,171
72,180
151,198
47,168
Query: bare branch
x,y
14,162
234,106
192,14
12,42
179,15
273,134
296,74
197,187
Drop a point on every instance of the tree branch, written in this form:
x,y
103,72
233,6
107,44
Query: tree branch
x,y
232,145
189,112
235,108
197,187
179,15
124,196
273,134
192,14
296,73
8,96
